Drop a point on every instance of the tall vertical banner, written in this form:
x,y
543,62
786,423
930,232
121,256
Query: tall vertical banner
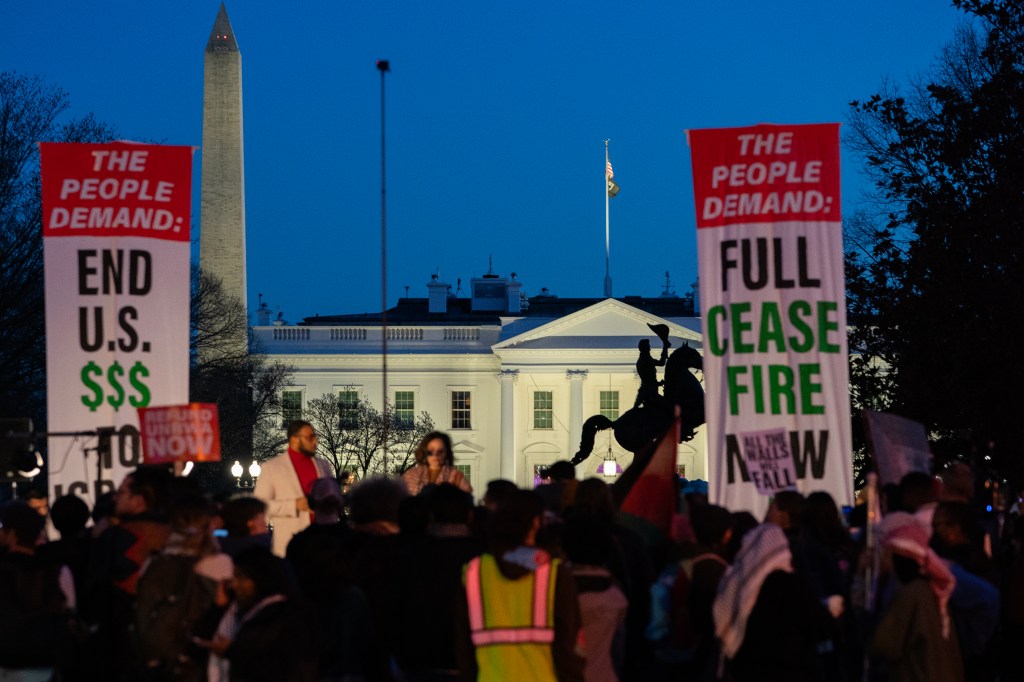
x,y
116,246
769,243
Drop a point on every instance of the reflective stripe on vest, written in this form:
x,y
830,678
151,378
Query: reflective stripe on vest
x,y
476,606
514,636
541,632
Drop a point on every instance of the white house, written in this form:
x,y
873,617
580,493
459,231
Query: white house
x,y
511,380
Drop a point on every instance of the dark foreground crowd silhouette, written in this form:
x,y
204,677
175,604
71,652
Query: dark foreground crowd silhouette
x,y
552,583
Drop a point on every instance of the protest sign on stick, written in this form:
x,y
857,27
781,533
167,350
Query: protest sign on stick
x,y
900,445
180,433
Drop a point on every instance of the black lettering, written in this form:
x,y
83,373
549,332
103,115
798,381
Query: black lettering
x,y
113,262
84,270
81,489
762,264
727,262
102,487
88,345
123,316
780,281
816,455
801,252
130,457
104,441
734,458
140,269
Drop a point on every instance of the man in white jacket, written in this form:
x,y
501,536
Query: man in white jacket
x,y
287,479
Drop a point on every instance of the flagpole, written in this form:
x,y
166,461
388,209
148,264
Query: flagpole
x,y
607,241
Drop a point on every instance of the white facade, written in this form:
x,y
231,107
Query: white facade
x,y
531,382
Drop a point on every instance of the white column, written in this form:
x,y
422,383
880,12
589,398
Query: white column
x,y
575,377
507,460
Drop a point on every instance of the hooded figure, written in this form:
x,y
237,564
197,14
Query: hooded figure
x,y
914,635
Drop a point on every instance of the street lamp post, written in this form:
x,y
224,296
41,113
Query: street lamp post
x,y
254,473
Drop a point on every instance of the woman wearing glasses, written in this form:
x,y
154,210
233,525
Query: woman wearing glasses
x,y
434,465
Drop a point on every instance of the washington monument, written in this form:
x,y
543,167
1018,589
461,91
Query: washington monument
x,y
222,202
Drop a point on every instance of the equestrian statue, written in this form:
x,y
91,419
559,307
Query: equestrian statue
x,y
652,413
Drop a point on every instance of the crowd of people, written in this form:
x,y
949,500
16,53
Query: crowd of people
x,y
407,579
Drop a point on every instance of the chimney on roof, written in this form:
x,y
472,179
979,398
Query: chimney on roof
x,y
513,294
437,299
263,314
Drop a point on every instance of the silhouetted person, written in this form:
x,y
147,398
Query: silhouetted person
x,y
35,621
915,635
69,514
919,496
517,639
264,635
430,583
118,554
340,613
375,553
647,370
245,521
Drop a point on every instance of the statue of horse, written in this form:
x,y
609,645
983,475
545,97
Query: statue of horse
x,y
642,425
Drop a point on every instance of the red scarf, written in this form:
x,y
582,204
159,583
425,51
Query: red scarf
x,y
305,469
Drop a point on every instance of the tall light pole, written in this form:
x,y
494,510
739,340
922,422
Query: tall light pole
x,y
383,66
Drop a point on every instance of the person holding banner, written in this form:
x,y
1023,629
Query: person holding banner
x,y
286,481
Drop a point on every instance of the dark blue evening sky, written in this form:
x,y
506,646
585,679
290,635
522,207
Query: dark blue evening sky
x,y
496,113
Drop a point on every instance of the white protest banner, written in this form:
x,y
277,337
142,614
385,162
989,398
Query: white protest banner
x,y
116,247
900,445
769,460
769,243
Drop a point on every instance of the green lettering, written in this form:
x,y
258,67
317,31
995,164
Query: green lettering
x,y
780,384
735,388
808,388
771,328
827,324
716,346
740,327
797,311
757,374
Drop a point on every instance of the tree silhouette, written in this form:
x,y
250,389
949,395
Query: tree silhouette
x,y
352,436
935,272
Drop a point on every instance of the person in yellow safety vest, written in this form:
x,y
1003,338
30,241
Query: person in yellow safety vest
x,y
520,617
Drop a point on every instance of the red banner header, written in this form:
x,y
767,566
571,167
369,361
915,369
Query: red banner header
x,y
118,189
766,173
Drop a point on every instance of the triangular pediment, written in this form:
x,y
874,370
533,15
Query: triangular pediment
x,y
608,323
463,447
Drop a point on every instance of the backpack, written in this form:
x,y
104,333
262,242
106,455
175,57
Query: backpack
x,y
682,634
670,628
171,599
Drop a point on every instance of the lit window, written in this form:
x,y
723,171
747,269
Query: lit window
x,y
461,410
543,414
348,409
609,404
405,409
291,406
